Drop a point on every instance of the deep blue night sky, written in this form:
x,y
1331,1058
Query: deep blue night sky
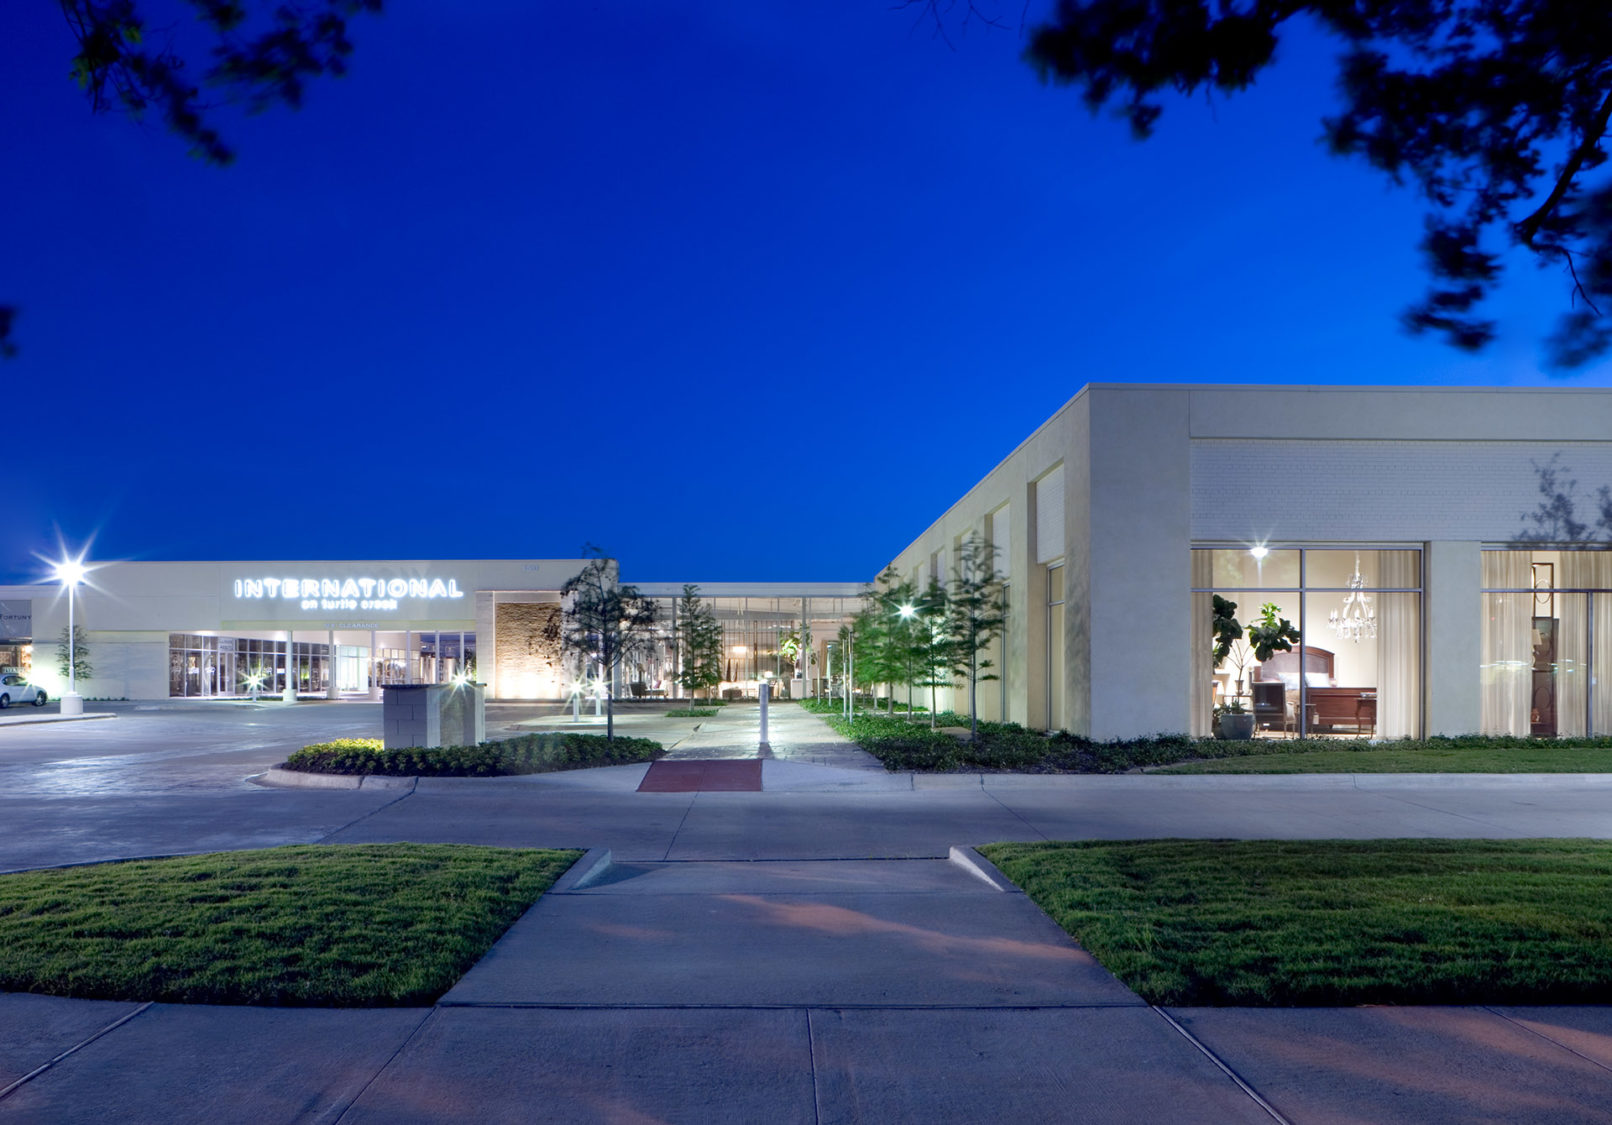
x,y
734,290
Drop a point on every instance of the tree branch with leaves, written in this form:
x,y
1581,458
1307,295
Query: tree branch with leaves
x,y
229,52
606,624
1497,110
976,615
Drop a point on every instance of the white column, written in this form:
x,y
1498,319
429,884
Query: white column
x,y
408,656
331,691
373,673
1452,623
289,694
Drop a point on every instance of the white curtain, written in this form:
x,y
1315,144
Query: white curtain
x,y
1591,570
1507,640
1203,659
1399,646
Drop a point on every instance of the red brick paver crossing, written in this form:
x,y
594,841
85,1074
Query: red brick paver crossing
x,y
730,775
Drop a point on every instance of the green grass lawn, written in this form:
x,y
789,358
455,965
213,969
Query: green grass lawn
x,y
1313,756
692,713
1217,922
369,925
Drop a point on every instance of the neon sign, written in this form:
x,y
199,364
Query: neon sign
x,y
347,593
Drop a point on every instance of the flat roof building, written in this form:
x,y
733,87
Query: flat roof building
x,y
346,627
1383,523
1392,528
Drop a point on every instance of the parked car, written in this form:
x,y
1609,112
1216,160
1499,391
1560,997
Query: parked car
x,y
15,689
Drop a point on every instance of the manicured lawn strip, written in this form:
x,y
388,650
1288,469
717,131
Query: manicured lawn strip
x,y
692,713
370,925
1007,747
1334,922
1317,756
529,753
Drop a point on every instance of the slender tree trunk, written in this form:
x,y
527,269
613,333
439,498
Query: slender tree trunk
x,y
973,710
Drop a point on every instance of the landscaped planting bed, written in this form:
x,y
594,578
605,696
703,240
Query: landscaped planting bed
x,y
903,744
1334,922
529,753
1434,755
361,925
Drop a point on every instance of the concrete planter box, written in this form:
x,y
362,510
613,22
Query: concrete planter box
x,y
433,715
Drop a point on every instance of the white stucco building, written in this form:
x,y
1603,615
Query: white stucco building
x,y
345,627
1383,523
1121,516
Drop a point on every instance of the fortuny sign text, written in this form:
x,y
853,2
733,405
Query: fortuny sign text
x,y
347,593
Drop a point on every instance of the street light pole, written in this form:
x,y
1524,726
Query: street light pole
x,y
70,573
906,613
850,673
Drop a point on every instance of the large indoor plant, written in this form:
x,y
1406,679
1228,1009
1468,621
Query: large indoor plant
x,y
1240,646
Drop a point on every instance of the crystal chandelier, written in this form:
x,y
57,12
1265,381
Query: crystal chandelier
x,y
1356,619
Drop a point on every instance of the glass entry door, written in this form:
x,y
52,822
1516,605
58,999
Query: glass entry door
x,y
352,668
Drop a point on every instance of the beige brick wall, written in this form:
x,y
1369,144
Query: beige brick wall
x,y
526,655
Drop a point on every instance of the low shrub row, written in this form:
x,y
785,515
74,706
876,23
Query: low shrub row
x,y
904,745
529,753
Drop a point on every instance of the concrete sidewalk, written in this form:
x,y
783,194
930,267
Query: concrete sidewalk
x,y
809,953
793,734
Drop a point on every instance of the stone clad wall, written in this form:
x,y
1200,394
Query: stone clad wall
x,y
525,654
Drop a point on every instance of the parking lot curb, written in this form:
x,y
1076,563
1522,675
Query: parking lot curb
x,y
9,720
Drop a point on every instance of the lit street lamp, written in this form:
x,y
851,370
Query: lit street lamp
x,y
907,611
70,573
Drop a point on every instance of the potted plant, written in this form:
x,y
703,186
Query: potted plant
x,y
1232,722
1230,647
1266,635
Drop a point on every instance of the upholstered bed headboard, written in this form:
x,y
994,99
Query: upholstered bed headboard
x,y
1315,660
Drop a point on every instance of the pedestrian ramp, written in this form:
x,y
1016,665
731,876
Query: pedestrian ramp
x,y
713,775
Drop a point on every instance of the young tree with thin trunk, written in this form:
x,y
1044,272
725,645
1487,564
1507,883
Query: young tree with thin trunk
x,y
80,648
975,617
931,645
606,623
881,640
701,638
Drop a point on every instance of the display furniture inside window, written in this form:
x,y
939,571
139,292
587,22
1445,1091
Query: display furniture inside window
x,y
1356,670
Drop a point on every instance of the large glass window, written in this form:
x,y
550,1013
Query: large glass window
x,y
200,665
1546,628
1355,669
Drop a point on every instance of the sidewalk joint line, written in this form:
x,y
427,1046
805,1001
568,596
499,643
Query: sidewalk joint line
x,y
355,823
38,1070
1224,1068
1554,1042
1445,812
1012,811
380,1070
811,1057
678,831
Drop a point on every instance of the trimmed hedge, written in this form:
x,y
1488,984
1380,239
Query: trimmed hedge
x,y
528,753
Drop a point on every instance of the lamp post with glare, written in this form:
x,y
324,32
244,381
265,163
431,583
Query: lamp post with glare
x,y
70,574
906,612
